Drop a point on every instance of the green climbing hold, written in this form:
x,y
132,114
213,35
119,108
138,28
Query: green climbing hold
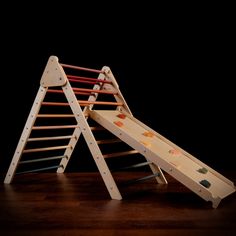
x,y
202,170
205,183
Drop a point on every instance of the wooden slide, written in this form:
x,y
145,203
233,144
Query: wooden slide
x,y
194,174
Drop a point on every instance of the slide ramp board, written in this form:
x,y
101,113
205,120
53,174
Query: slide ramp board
x,y
194,174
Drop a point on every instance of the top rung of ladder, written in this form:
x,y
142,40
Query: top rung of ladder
x,y
82,68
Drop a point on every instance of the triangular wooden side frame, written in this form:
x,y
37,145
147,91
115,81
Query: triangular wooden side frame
x,y
55,76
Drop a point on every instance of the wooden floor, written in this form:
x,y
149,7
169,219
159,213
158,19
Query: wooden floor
x,y
79,204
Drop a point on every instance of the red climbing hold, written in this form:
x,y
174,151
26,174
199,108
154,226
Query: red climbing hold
x,y
122,116
118,123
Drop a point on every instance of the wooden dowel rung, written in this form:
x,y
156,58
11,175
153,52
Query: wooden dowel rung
x,y
82,93
85,103
82,68
94,91
119,154
141,179
55,103
40,169
133,166
61,92
55,127
55,115
49,138
84,81
76,78
42,159
54,91
45,149
107,141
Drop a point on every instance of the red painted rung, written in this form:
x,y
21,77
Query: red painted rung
x,y
82,68
79,78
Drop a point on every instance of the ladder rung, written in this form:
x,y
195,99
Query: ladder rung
x,y
106,141
93,128
133,166
50,138
82,68
40,169
88,79
42,159
55,103
85,81
142,179
61,92
45,149
118,154
83,103
55,127
95,91
55,115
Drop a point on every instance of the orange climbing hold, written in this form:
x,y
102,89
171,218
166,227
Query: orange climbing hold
x,y
148,134
122,116
147,144
118,123
174,152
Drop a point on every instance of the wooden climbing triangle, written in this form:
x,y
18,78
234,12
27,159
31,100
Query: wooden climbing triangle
x,y
72,94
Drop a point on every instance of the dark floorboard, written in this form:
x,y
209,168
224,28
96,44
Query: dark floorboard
x,y
79,204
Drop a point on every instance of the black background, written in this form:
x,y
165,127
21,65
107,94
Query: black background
x,y
174,64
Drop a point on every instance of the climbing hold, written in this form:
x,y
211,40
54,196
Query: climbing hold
x,y
202,170
174,152
118,123
122,116
148,134
147,144
205,183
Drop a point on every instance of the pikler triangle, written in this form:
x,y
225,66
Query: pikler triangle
x,y
69,93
